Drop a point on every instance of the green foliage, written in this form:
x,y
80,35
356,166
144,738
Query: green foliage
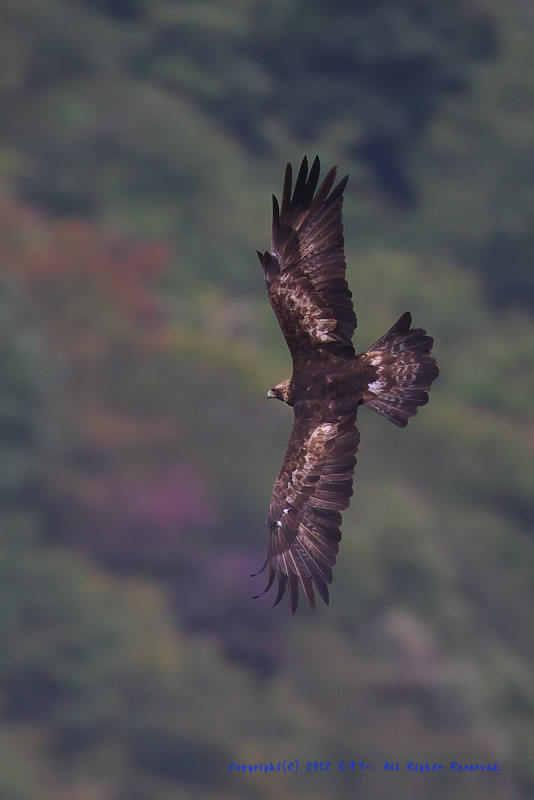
x,y
97,666
474,171
26,424
117,90
383,69
137,450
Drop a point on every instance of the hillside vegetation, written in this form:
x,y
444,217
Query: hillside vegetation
x,y
139,145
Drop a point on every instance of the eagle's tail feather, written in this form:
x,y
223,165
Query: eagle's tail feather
x,y
403,371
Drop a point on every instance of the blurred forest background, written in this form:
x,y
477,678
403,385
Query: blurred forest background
x,y
140,141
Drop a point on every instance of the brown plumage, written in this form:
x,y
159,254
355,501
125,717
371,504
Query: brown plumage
x,y
305,278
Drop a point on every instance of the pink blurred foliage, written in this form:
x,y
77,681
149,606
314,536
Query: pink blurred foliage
x,y
94,299
177,498
132,524
118,271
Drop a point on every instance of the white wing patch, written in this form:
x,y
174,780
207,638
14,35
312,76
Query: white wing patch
x,y
376,359
377,386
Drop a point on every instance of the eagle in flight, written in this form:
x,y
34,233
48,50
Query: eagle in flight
x,y
305,278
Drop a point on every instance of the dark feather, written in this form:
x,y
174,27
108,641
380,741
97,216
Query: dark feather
x,y
304,516
404,371
305,278
305,270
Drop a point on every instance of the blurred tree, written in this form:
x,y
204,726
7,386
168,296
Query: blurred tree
x,y
381,70
135,483
475,170
94,302
132,421
26,421
377,71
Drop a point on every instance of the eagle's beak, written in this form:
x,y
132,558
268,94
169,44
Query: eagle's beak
x,y
270,393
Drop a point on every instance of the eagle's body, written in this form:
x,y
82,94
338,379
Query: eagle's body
x,y
305,278
327,377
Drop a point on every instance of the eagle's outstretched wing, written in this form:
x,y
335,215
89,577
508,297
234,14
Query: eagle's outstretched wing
x,y
305,270
306,286
314,484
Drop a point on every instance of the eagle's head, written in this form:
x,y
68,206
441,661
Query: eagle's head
x,y
280,391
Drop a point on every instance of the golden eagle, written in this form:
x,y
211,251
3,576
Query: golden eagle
x,y
305,278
